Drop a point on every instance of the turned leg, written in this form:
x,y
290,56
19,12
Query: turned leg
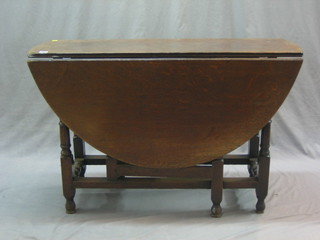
x,y
264,167
216,187
66,169
79,152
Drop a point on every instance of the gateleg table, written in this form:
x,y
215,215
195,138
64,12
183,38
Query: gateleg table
x,y
166,112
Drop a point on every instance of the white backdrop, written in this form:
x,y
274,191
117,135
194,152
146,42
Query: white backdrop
x,y
31,203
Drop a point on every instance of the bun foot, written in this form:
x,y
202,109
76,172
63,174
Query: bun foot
x,y
70,207
216,211
260,207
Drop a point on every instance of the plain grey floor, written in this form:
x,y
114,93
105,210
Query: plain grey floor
x,y
32,206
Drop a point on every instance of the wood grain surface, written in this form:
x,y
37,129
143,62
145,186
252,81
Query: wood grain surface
x,y
149,48
166,113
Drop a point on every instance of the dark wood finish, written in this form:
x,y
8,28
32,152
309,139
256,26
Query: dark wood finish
x,y
66,169
165,113
142,183
264,165
236,159
216,187
203,172
205,176
254,146
168,113
176,48
112,173
95,159
239,182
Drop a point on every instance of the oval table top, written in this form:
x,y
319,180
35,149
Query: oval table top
x,y
169,48
166,112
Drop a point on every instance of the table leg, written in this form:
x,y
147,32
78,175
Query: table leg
x,y
66,168
217,187
264,167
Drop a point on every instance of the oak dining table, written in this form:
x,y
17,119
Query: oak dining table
x,y
165,113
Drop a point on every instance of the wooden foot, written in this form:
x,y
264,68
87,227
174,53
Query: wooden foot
x,y
217,187
66,169
216,211
260,206
70,206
